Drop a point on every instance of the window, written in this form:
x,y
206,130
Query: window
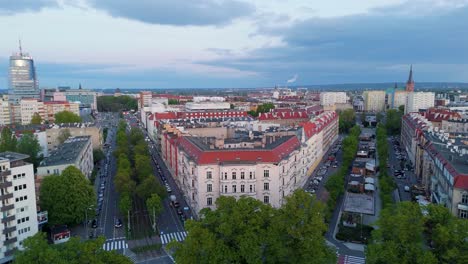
x,y
251,189
209,187
252,176
233,175
464,199
209,174
266,186
242,175
225,175
234,188
266,199
463,214
266,173
209,201
242,188
225,188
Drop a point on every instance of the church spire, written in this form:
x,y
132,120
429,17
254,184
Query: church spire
x,y
20,48
410,82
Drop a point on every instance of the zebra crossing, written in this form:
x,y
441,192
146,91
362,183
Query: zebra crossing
x,y
115,244
178,236
347,259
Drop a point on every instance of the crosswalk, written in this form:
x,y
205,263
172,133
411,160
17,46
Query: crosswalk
x,y
347,259
115,244
178,236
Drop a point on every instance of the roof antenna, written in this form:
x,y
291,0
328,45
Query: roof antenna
x,y
20,48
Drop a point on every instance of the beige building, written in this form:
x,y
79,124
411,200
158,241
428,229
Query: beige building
x,y
399,98
4,111
29,107
52,108
56,130
374,101
455,125
332,98
75,151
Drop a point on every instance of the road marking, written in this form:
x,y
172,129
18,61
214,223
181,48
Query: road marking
x,y
348,259
116,244
177,236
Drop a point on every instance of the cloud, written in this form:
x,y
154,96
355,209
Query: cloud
x,y
362,48
9,7
177,12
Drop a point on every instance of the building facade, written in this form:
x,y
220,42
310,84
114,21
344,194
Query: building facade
x,y
54,132
4,111
374,101
399,99
419,100
22,78
332,98
53,107
75,151
30,107
19,220
85,98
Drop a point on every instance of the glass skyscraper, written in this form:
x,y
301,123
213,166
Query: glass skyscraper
x,y
22,78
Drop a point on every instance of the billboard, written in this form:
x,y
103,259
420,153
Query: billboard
x,y
42,217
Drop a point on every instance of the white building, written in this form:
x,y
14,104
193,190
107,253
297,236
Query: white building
x,y
29,107
75,151
199,99
19,220
419,100
332,98
400,98
192,106
374,101
4,111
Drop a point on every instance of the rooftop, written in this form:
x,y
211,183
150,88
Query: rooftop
x,y
67,152
13,156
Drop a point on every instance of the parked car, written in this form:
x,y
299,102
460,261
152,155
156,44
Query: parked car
x,y
94,224
407,188
118,223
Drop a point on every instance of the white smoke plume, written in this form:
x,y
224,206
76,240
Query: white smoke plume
x,y
293,79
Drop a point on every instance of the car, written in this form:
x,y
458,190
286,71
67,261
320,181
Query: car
x,y
94,224
316,182
176,204
319,178
118,223
179,212
101,195
335,166
183,218
163,178
407,188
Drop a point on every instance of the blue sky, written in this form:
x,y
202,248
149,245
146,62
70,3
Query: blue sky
x,y
236,43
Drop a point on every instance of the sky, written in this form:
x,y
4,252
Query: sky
x,y
235,43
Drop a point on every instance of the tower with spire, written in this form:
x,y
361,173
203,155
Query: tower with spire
x,y
410,82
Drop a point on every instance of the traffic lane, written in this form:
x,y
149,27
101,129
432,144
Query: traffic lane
x,y
401,183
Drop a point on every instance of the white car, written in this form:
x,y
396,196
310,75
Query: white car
x,y
407,188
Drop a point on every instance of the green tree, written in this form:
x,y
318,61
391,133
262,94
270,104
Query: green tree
x,y
36,119
399,237
98,155
124,183
149,186
125,205
173,102
29,145
8,140
64,134
393,122
347,120
401,108
37,250
66,196
155,207
143,167
67,117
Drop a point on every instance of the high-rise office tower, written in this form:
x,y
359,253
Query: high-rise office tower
x,y
22,78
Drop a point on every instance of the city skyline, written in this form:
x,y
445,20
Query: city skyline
x,y
153,44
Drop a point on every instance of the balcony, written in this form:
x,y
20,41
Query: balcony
x,y
8,218
5,184
463,206
10,241
6,196
9,230
10,252
7,207
5,173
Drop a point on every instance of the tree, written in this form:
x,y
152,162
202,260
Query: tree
x,y
123,182
347,120
393,122
399,238
401,108
249,231
66,196
149,186
125,205
173,101
7,140
67,117
116,104
143,167
98,155
29,145
154,205
37,250
36,119
64,134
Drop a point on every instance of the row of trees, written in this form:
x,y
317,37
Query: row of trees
x,y
393,120
136,174
116,104
336,183
38,250
386,182
60,118
249,231
408,233
263,108
347,120
27,144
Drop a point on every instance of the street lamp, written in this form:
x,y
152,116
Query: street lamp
x,y
86,219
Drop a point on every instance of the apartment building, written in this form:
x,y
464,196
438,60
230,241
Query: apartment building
x,y
419,100
53,133
455,125
267,165
54,107
75,151
18,195
29,107
374,101
332,98
4,111
399,99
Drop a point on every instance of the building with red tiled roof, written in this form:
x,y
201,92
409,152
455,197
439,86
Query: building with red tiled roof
x,y
287,118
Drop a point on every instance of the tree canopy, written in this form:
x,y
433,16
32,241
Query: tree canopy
x,y
36,119
64,134
116,104
29,145
249,231
8,140
263,108
37,250
67,117
66,196
393,121
347,120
